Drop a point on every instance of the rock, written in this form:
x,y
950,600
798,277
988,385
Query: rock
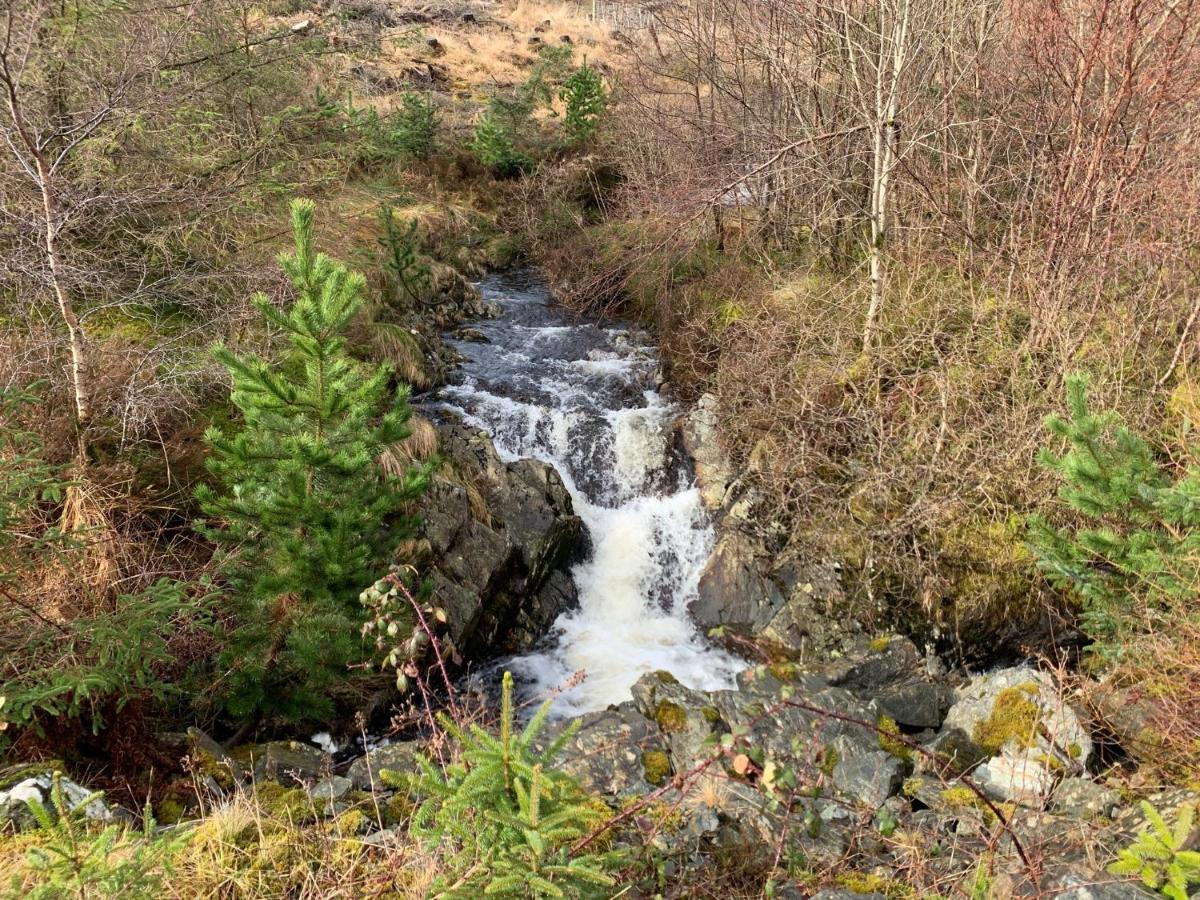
x,y
33,782
733,592
1014,776
877,666
435,46
535,41
843,894
1017,718
687,720
565,39
869,777
1082,798
472,335
616,753
364,771
287,762
714,472
915,704
330,789
956,750
469,18
501,536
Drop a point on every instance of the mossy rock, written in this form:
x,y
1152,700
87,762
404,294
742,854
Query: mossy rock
x,y
889,739
656,767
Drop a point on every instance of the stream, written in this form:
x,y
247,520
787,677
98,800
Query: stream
x,y
584,396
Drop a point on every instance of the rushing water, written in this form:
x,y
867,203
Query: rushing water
x,y
583,396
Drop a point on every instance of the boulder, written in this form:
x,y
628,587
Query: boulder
x,y
501,537
1017,720
616,753
865,775
917,703
287,762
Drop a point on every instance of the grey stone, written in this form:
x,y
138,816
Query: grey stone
x,y
1082,798
288,762
915,704
843,894
869,777
714,472
14,799
330,789
364,771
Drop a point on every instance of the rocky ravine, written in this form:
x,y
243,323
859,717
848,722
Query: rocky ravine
x,y
860,758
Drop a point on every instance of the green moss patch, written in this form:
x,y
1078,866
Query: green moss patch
x,y
1015,717
656,766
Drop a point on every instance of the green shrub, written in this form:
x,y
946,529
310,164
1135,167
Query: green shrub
x,y
72,860
503,821
306,515
1137,562
402,259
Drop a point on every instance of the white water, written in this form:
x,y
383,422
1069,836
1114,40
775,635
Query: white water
x,y
584,399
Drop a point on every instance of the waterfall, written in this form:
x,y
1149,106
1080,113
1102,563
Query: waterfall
x,y
584,397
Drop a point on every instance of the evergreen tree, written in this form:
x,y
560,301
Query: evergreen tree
x,y
585,99
1141,550
494,147
307,516
402,258
502,820
414,125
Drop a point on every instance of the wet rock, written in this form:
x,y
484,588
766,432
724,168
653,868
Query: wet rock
x,y
364,771
733,592
472,335
501,537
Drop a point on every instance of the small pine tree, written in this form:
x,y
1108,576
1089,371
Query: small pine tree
x,y
306,515
402,258
494,148
414,126
1141,551
1158,855
503,820
585,99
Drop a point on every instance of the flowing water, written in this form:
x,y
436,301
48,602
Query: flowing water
x,y
584,397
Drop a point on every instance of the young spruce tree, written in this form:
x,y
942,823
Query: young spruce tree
x,y
306,516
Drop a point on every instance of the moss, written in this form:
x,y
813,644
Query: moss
x,y
351,822
671,717
1014,717
912,786
871,883
889,739
666,677
208,766
169,811
963,798
881,643
829,760
785,672
398,809
286,804
711,714
656,766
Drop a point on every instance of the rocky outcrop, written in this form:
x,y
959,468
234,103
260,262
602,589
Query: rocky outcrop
x,y
753,585
22,784
498,537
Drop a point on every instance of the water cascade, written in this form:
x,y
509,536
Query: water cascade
x,y
584,397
